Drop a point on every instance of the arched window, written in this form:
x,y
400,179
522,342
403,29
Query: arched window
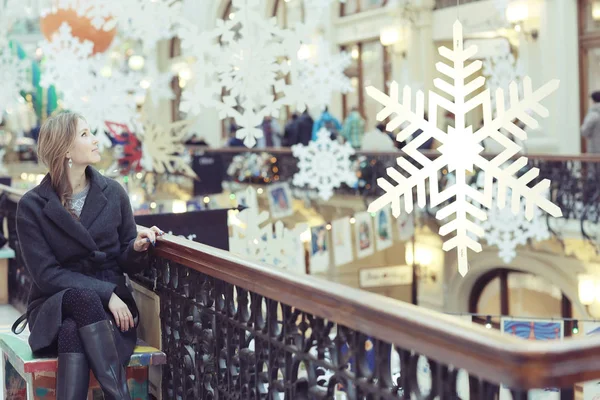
x,y
351,7
518,294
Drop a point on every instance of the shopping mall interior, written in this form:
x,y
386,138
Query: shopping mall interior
x,y
360,199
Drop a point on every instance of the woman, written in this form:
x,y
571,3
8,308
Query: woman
x,y
78,236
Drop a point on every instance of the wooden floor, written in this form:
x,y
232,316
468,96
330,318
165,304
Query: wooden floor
x,y
8,315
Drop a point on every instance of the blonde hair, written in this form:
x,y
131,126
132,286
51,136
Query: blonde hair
x,y
57,135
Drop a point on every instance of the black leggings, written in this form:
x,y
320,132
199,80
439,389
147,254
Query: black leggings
x,y
80,307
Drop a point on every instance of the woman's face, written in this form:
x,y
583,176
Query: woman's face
x,y
85,149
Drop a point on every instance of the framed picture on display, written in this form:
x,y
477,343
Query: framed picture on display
x,y
280,200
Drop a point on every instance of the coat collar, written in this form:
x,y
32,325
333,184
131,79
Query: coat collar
x,y
94,204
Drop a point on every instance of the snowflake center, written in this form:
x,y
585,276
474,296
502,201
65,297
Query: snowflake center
x,y
460,149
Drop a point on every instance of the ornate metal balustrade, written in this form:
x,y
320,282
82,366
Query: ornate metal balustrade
x,y
236,329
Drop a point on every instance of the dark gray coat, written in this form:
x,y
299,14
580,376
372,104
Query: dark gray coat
x,y
62,253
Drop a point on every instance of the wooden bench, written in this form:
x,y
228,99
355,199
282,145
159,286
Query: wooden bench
x,y
27,377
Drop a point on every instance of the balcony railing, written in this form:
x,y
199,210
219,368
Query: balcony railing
x,y
237,329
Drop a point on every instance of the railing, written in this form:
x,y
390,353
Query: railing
x,y
237,329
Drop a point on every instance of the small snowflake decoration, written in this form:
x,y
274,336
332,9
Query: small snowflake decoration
x,y
14,75
10,11
158,84
163,147
461,150
500,71
324,164
250,65
507,230
253,237
323,74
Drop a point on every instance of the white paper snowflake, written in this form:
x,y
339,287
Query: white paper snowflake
x,y
67,60
323,74
14,75
100,98
460,150
158,84
163,146
324,164
253,237
10,12
500,71
147,20
244,76
507,230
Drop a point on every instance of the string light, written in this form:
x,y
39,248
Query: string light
x,y
206,200
488,322
352,220
575,329
328,227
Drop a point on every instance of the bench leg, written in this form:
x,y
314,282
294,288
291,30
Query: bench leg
x,y
15,385
137,381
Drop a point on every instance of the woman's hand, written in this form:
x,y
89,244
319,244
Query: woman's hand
x,y
121,312
145,237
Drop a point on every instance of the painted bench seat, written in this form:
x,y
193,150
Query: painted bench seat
x,y
27,377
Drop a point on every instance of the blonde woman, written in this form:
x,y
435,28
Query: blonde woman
x,y
78,238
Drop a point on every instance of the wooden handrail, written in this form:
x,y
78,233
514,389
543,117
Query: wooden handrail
x,y
490,355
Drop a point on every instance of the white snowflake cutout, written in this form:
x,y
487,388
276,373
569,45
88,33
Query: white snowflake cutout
x,y
507,230
323,74
324,164
249,65
461,149
10,11
67,60
14,75
158,84
500,71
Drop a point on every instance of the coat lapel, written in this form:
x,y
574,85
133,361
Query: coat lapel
x,y
95,200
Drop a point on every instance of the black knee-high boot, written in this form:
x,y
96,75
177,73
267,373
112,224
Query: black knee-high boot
x,y
73,377
99,344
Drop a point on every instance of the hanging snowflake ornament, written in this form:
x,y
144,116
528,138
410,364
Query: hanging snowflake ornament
x,y
461,149
323,74
500,71
163,146
66,60
324,164
245,76
10,12
158,84
507,230
14,75
253,237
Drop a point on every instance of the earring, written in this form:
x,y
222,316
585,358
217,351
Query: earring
x,y
70,163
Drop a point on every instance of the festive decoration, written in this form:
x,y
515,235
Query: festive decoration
x,y
253,168
158,84
53,20
66,59
127,148
507,230
460,149
251,65
14,75
10,11
163,147
254,238
324,164
323,74
500,70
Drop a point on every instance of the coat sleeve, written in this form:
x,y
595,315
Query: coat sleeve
x,y
41,262
589,124
130,261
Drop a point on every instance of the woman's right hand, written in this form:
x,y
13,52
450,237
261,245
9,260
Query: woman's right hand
x,y
121,313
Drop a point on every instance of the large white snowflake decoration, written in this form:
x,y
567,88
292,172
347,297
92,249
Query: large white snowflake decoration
x,y
66,60
10,11
324,164
323,74
14,75
250,65
460,150
507,230
500,71
158,84
253,237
